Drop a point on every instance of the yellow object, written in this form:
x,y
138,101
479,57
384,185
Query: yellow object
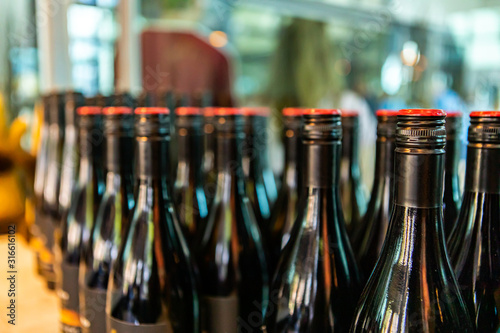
x,y
12,196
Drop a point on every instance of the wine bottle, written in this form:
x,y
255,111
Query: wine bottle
x,y
369,238
76,230
316,286
70,157
39,227
50,203
260,183
152,287
452,195
474,245
352,193
413,288
209,144
285,210
173,99
111,221
189,195
231,260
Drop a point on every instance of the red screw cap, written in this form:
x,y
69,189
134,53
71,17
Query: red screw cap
x,y
485,114
152,110
261,111
349,113
111,110
328,112
387,113
453,114
89,110
227,111
293,112
422,112
188,111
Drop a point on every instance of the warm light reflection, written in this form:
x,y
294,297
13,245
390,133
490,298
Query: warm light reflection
x,y
410,53
218,38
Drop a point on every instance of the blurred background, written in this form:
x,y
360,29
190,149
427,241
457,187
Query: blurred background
x,y
359,55
351,54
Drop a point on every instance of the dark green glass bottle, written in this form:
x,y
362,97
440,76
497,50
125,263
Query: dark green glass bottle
x,y
77,228
369,238
474,244
285,210
317,284
233,268
352,193
413,288
111,221
259,178
189,195
152,287
452,195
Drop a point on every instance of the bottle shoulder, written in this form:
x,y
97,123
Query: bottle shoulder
x,y
475,241
413,284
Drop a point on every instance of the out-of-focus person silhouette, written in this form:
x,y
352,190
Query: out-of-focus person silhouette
x,y
187,64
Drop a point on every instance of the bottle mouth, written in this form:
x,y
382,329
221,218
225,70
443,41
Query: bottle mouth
x,y
189,118
386,113
453,114
89,110
421,128
257,111
90,117
346,113
116,110
422,112
209,112
293,112
483,114
224,112
188,111
229,121
386,123
118,120
484,127
321,125
350,119
152,121
453,124
151,111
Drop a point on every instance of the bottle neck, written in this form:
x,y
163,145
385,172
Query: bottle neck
x,y
190,143
228,152
91,153
256,149
350,149
153,158
229,162
321,164
483,168
452,158
119,150
419,177
384,160
291,148
290,170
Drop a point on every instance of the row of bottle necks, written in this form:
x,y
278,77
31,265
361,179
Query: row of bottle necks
x,y
220,249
